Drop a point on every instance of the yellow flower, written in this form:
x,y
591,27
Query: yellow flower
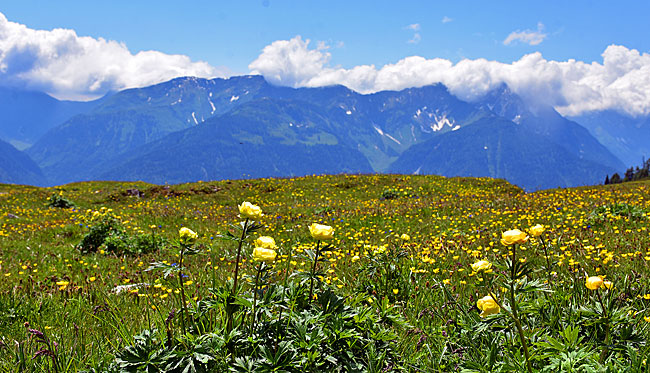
x,y
488,306
248,210
594,282
355,258
261,254
608,284
187,235
514,236
481,265
152,226
395,291
537,230
321,232
62,284
265,242
405,237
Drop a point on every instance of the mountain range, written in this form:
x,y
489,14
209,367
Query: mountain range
x,y
190,129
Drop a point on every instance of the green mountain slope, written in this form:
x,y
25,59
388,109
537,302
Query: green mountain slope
x,y
259,139
499,148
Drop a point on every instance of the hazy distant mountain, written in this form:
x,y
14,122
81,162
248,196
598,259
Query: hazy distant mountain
x,y
132,118
25,116
190,129
17,168
500,148
544,122
627,137
383,124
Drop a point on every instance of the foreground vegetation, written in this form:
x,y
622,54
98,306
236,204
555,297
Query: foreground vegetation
x,y
417,275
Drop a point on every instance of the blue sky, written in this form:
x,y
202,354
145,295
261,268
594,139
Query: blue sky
x,y
545,48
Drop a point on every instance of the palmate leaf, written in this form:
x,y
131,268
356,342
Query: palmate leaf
x,y
168,269
227,237
526,286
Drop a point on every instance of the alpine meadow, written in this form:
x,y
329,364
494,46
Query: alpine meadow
x,y
281,186
325,273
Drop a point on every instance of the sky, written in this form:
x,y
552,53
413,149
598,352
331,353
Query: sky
x,y
575,55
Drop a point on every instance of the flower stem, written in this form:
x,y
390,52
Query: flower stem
x,y
180,283
241,242
548,260
230,306
313,271
605,351
520,330
257,282
515,313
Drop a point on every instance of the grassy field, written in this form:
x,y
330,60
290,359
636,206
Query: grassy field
x,y
394,288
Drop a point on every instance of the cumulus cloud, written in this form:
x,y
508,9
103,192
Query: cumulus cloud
x,y
79,67
620,82
527,36
416,35
446,19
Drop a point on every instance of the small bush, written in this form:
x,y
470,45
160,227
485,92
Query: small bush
x,y
58,201
393,194
107,233
602,214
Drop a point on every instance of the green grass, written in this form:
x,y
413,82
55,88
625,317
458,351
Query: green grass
x,y
426,281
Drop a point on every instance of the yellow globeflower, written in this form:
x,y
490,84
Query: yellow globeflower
x,y
537,230
248,210
488,306
594,282
62,284
405,237
608,284
321,232
187,235
262,254
514,236
481,265
265,242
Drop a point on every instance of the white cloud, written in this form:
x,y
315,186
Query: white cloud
x,y
79,67
446,19
415,39
414,27
620,82
527,36
416,35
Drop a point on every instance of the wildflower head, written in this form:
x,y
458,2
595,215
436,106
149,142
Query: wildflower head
x,y
248,210
481,265
266,242
594,282
62,284
262,254
405,237
187,236
514,236
321,232
537,230
488,306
